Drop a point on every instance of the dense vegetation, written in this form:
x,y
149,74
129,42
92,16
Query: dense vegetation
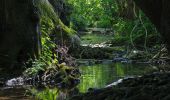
x,y
128,26
122,16
70,31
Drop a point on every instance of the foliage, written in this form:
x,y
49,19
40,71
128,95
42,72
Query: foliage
x,y
37,66
98,13
131,26
138,33
47,10
89,13
49,21
47,94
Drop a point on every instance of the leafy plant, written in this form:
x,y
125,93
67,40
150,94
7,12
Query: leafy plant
x,y
47,94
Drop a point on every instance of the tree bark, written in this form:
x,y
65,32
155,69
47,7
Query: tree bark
x,y
19,38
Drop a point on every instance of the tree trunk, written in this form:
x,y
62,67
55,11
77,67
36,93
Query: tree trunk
x,y
19,38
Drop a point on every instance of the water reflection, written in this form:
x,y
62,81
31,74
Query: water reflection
x,y
94,76
98,76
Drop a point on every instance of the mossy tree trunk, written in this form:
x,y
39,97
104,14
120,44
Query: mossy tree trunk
x,y
19,36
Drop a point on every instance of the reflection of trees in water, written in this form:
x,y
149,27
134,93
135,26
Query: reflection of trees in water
x,y
98,76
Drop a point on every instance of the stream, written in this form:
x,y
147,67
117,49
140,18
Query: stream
x,y
93,76
101,75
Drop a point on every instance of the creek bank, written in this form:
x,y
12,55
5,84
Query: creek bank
x,y
96,55
89,62
86,52
60,76
154,86
107,46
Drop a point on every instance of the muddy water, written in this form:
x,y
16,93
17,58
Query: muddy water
x,y
13,94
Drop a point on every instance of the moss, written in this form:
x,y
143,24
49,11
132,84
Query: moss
x,y
47,10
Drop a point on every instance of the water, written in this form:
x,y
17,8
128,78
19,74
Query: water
x,y
101,75
94,76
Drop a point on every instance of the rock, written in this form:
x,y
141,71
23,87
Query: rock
x,y
15,82
120,59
